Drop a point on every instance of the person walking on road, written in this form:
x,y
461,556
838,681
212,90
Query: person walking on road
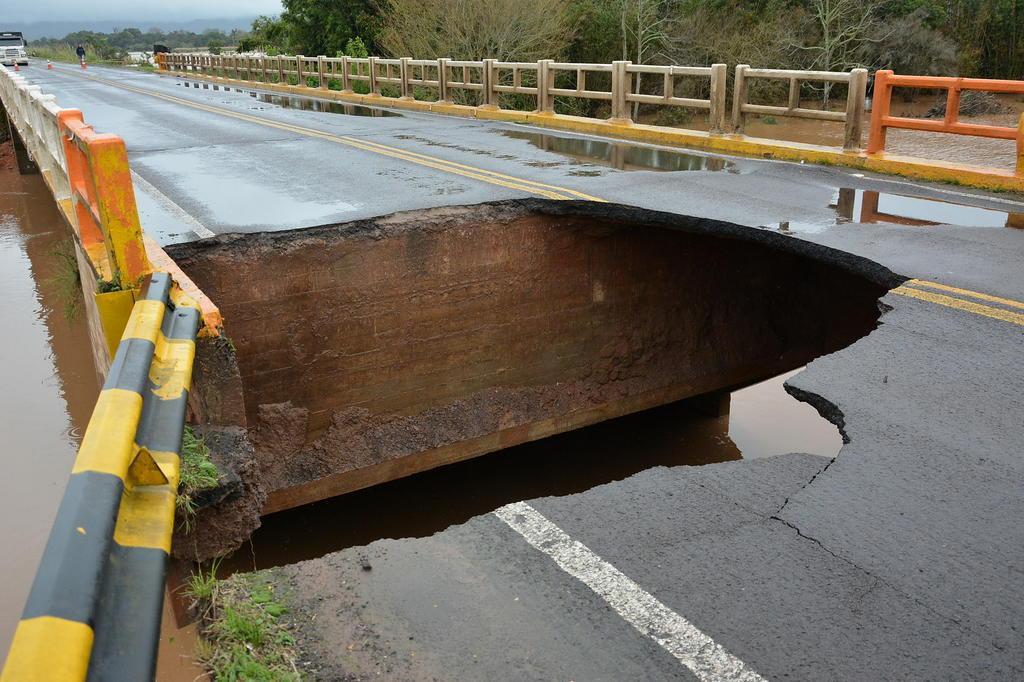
x,y
80,51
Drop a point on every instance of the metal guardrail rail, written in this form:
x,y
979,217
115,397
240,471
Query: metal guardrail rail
x,y
95,605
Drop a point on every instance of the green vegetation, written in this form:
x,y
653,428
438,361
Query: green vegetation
x,y
242,637
198,472
66,279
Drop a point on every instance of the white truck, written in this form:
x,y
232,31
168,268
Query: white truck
x,y
12,48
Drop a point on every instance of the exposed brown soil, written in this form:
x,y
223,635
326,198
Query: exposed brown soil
x,y
7,160
228,514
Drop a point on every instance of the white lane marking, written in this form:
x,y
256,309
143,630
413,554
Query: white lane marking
x,y
177,211
681,638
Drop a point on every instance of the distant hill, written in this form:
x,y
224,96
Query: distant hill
x,y
59,29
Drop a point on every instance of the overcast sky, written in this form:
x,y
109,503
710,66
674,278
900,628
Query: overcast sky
x,y
133,10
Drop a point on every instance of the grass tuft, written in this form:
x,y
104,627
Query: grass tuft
x,y
242,636
198,472
66,279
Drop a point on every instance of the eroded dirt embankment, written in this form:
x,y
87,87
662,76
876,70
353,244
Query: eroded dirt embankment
x,y
370,350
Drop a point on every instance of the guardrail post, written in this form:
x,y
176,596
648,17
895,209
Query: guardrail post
x,y
880,102
299,74
1020,146
545,105
263,68
280,69
490,75
620,87
739,98
403,71
856,92
346,82
321,65
374,90
442,80
716,96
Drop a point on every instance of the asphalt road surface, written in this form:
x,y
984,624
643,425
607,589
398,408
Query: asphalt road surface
x,y
899,559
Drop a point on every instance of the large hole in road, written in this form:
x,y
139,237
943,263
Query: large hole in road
x,y
374,350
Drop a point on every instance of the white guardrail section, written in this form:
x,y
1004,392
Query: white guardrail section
x,y
34,114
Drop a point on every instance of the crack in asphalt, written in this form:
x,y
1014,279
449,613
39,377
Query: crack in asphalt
x,y
881,581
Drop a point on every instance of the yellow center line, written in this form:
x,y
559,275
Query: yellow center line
x,y
966,292
960,304
562,193
472,172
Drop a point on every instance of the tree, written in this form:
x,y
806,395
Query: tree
x,y
645,28
318,27
846,29
509,30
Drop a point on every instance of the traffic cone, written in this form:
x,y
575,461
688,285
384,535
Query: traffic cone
x,y
49,65
16,67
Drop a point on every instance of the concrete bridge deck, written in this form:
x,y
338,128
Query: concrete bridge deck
x,y
899,559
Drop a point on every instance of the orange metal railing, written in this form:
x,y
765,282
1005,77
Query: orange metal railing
x,y
882,120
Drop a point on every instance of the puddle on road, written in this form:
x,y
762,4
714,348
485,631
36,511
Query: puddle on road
x,y
764,421
868,206
301,103
50,378
620,155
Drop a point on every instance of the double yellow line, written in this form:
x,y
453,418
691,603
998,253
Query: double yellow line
x,y
960,299
471,172
951,297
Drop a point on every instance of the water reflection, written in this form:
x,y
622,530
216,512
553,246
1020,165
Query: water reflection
x,y
764,421
620,155
300,103
49,374
868,206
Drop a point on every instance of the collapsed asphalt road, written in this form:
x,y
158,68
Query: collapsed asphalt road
x,y
899,559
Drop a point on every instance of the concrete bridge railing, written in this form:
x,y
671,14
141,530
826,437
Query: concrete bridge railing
x,y
543,81
496,90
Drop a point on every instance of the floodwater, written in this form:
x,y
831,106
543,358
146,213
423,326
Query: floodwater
x,y
50,382
619,155
764,421
301,103
868,206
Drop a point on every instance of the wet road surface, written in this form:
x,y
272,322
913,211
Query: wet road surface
x,y
899,558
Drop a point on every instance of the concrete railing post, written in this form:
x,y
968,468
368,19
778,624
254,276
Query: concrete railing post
x,y
1020,146
739,98
490,75
263,68
442,80
620,88
321,67
346,82
879,111
716,96
545,105
856,92
280,69
299,74
374,89
404,73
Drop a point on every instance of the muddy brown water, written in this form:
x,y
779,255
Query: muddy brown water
x,y
49,378
764,421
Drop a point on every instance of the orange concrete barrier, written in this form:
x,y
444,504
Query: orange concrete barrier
x,y
104,200
882,120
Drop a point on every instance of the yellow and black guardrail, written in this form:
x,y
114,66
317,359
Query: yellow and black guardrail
x,y
95,606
